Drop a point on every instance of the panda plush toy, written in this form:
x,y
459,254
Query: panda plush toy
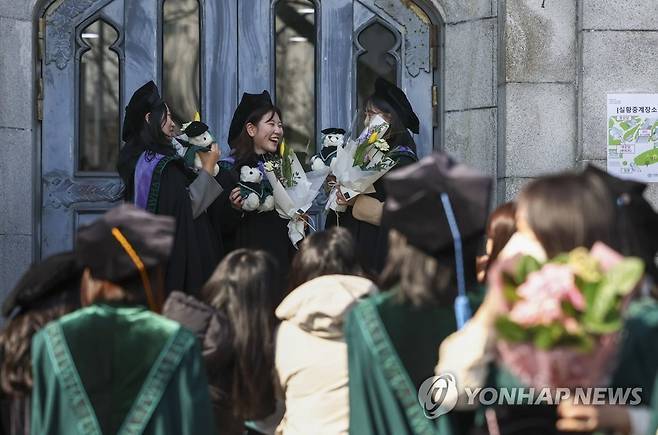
x,y
254,194
332,139
198,141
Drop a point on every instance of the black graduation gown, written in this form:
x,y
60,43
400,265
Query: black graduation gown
x,y
197,244
371,240
266,231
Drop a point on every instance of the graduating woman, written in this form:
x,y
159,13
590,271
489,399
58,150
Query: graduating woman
x,y
392,337
158,180
255,135
363,216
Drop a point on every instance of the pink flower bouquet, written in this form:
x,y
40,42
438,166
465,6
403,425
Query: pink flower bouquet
x,y
563,317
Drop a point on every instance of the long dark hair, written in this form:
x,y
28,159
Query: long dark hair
x,y
244,287
397,134
500,228
330,252
16,343
151,132
426,279
243,145
568,210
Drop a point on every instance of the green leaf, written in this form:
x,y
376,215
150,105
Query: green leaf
x,y
510,330
548,336
509,290
618,281
525,267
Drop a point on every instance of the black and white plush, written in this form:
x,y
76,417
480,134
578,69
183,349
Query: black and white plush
x,y
198,140
254,194
332,139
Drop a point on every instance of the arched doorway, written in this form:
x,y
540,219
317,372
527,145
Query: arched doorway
x,y
318,58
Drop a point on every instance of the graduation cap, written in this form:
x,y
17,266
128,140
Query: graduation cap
x,y
195,128
142,102
333,131
248,105
56,278
635,218
125,243
398,100
436,204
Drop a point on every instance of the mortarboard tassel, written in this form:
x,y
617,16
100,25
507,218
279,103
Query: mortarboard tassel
x,y
462,307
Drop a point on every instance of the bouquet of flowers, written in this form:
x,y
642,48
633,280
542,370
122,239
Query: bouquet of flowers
x,y
293,189
360,163
563,317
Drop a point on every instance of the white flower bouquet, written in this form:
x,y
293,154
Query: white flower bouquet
x,y
293,189
360,163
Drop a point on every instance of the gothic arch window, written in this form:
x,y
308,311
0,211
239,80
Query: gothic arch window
x,y
377,55
295,34
181,54
98,98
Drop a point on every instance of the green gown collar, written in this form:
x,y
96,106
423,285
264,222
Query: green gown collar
x,y
378,340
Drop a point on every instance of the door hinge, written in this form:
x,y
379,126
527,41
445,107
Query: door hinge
x,y
41,53
41,48
434,45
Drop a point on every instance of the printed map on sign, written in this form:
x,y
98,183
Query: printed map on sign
x,y
633,136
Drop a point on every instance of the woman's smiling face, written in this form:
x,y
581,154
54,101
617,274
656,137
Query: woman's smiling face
x,y
267,134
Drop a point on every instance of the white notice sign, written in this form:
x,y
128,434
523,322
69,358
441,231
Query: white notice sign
x,y
633,136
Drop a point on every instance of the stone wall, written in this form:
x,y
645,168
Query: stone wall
x,y
470,99
537,91
17,150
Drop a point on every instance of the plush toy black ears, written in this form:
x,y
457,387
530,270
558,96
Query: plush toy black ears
x,y
333,131
195,128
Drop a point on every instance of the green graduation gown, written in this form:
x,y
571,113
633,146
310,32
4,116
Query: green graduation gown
x,y
392,349
109,369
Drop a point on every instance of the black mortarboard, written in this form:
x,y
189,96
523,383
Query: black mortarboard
x,y
196,128
333,131
635,218
398,100
248,105
142,102
113,246
414,205
58,275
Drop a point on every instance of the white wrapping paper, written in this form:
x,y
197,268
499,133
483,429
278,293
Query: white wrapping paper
x,y
292,202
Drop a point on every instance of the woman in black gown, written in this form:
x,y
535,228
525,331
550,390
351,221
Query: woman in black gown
x,y
363,214
157,179
256,132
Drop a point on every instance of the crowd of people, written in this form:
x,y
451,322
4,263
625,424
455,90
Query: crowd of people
x,y
182,313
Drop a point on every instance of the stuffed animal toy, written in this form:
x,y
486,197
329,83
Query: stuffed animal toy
x,y
198,141
253,192
331,140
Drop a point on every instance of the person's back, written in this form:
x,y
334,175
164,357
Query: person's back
x,y
114,366
311,354
123,367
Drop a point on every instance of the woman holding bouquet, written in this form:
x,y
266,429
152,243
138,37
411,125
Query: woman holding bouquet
x,y
255,135
363,215
557,214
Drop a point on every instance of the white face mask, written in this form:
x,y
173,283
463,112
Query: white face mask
x,y
524,244
375,121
